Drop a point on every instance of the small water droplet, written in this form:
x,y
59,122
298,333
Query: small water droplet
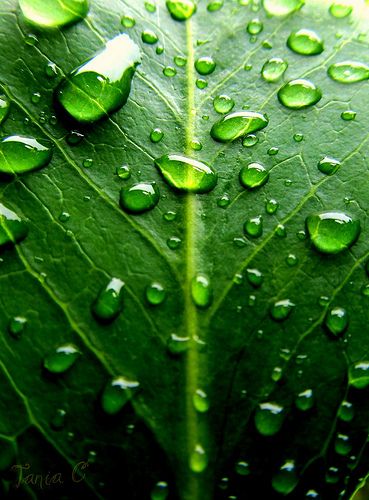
x,y
269,418
160,491
201,291
139,197
201,83
305,400
62,358
273,69
282,7
198,459
159,50
4,107
242,468
342,444
223,104
88,162
17,325
74,137
13,229
285,480
117,393
178,344
359,375
281,309
348,115
150,6
205,65
149,37
53,14
58,420
169,71
156,135
340,9
298,137
299,94
271,206
336,321
305,42
253,227
21,154
35,97
291,259
254,27
180,10
124,172
273,151
180,61
250,140
155,293
253,175
238,124
128,21
109,302
254,277
349,72
280,231
174,242
224,201
215,5
346,411
31,39
64,217
200,401
332,232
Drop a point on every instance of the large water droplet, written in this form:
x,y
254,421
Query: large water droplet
x,y
332,232
12,228
20,154
223,104
328,166
53,13
305,42
253,175
281,309
349,72
282,7
238,124
186,174
139,197
109,302
117,393
336,321
205,65
198,459
269,418
273,69
340,9
359,374
181,10
155,293
62,358
101,85
201,290
298,94
4,108
253,227
285,480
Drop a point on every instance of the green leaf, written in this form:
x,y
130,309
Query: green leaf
x,y
228,363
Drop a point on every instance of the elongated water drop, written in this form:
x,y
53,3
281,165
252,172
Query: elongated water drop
x,y
359,374
12,228
4,108
305,42
20,154
328,165
109,302
348,115
205,65
238,124
285,480
332,232
253,175
336,321
201,290
198,459
223,104
181,10
101,85
117,393
349,72
53,13
281,309
139,197
62,358
274,69
186,174
282,7
269,418
298,94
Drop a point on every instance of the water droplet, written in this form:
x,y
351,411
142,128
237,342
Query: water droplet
x,y
124,172
281,309
349,72
4,107
62,358
205,65
198,459
254,27
273,151
359,374
180,10
156,135
186,174
253,175
336,321
224,201
305,42
332,232
285,480
253,227
242,468
180,61
238,124
340,9
160,491
17,325
280,231
298,137
31,39
23,154
74,137
155,293
53,14
139,197
58,420
170,215
215,5
127,21
101,85
174,242
12,228
64,217
159,50
201,291
87,163
150,6
178,344
277,373
109,302
271,206
201,83
200,401
36,97
169,71
196,145
365,290
149,36
282,7
346,411
298,94
223,104
117,393
273,69
250,140
254,277
342,444
269,418
348,115
291,260
305,400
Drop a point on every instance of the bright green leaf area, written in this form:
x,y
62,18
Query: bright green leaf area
x,y
238,354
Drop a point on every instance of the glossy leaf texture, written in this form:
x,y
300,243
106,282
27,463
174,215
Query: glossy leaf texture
x,y
229,351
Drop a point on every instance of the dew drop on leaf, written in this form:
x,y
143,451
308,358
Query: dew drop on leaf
x,y
242,468
62,358
58,420
53,13
271,206
329,166
87,162
177,344
4,107
298,94
336,321
186,174
238,124
254,27
205,65
170,215
19,154
342,444
254,277
224,201
64,217
17,325
101,85
174,242
201,83
198,459
180,10
196,145
274,69
223,104
269,418
346,411
349,72
285,480
169,71
253,227
117,393
298,137
149,37
348,115
124,172
159,50
250,140
156,135
160,491
312,494
332,475
359,375
273,151
253,175
281,309
340,9
291,260
200,401
332,232
155,293
215,5
180,61
109,302
139,197
305,42
12,228
128,21
74,137
201,291
305,400
282,7
150,6
280,231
